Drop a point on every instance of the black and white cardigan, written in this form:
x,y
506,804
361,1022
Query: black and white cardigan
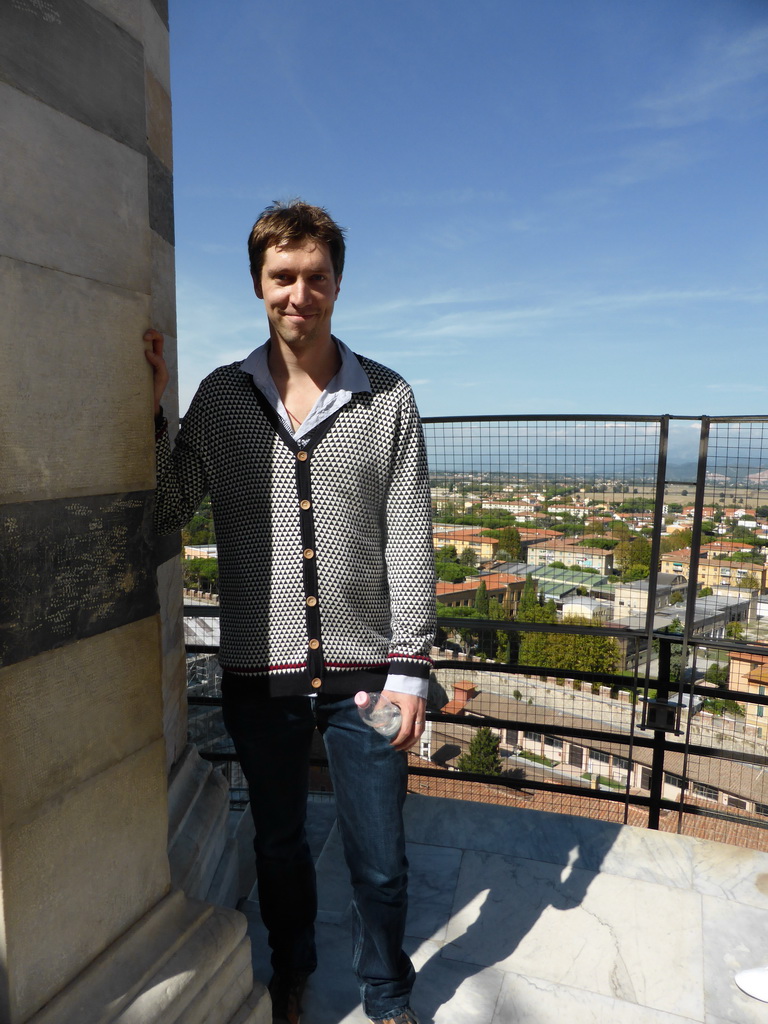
x,y
326,566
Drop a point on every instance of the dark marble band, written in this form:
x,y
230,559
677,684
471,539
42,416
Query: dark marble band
x,y
77,61
72,568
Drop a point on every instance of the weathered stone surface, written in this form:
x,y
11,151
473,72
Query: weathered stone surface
x,y
73,713
183,956
125,13
76,390
156,52
169,585
161,6
73,199
103,840
77,61
159,121
71,569
160,192
163,306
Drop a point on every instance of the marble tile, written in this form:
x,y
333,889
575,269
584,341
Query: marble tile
x,y
443,822
532,1001
535,835
450,991
731,872
650,856
735,937
575,928
433,873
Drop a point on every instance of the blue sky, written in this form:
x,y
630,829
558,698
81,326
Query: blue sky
x,y
553,206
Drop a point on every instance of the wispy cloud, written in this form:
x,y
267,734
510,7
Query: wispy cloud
x,y
477,317
647,161
719,83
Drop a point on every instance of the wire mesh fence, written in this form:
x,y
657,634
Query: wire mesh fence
x,y
601,645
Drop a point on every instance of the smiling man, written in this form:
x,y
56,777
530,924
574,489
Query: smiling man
x,y
314,461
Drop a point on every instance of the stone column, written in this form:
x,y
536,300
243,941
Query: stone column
x,y
91,675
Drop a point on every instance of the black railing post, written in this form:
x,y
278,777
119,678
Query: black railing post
x,y
659,735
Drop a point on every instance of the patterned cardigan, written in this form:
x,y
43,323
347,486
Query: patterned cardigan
x,y
326,566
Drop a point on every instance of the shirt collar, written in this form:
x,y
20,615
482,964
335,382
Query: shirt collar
x,y
350,377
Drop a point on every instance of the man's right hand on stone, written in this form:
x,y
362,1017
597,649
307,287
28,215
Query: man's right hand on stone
x,y
157,362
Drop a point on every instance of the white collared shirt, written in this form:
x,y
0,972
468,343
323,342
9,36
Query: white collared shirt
x,y
349,379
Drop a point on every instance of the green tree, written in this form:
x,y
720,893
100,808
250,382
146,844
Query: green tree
x,y
481,600
526,610
634,551
734,631
635,572
509,543
448,553
675,541
200,573
468,557
534,647
717,674
452,572
200,529
483,754
502,646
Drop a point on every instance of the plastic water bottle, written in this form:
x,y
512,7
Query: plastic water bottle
x,y
379,712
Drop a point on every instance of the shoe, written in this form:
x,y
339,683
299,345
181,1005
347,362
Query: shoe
x,y
286,990
406,1017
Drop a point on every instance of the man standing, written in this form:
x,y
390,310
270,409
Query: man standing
x,y
314,460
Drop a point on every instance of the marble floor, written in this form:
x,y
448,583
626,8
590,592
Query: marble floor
x,y
525,917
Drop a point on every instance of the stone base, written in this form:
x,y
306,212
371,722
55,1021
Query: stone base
x,y
185,962
203,857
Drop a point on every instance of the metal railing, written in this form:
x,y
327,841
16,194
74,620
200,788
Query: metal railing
x,y
604,698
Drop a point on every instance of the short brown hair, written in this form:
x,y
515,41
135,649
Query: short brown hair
x,y
292,222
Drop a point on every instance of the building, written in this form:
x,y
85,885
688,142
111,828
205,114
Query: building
x,y
749,673
464,538
200,551
506,588
632,598
714,571
573,554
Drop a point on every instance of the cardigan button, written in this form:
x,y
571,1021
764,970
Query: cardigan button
x,y
317,683
302,456
309,553
305,504
314,644
312,601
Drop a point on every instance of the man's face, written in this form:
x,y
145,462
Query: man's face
x,y
299,290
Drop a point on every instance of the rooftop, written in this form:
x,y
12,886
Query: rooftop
x,y
540,918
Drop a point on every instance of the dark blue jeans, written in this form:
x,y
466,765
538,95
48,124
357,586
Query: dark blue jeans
x,y
272,737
